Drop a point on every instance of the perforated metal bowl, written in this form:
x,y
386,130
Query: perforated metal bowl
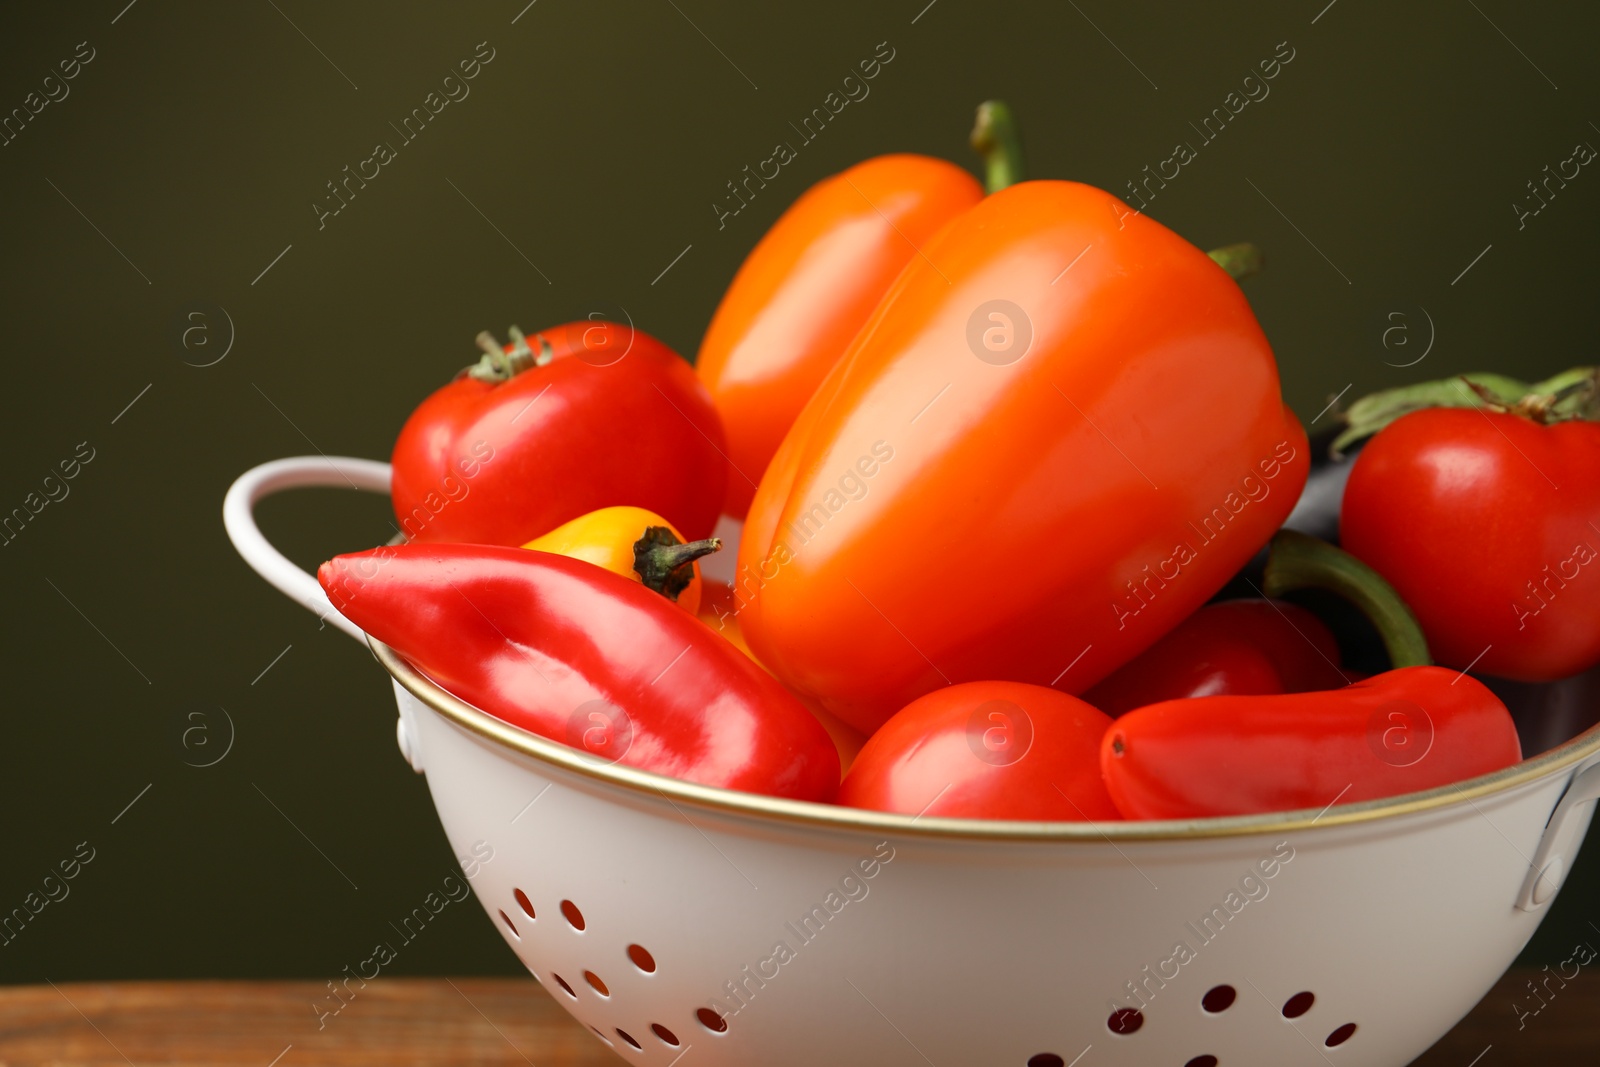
x,y
669,917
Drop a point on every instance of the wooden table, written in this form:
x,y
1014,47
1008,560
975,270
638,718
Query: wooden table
x,y
513,1022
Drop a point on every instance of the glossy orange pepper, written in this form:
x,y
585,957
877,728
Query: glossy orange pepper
x,y
1057,436
805,290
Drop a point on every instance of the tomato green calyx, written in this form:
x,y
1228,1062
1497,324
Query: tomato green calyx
x,y
997,138
1572,394
1241,261
666,564
1300,561
498,365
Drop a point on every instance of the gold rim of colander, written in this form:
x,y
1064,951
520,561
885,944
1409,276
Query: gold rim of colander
x,y
830,816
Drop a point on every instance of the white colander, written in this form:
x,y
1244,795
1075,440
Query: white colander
x,y
680,921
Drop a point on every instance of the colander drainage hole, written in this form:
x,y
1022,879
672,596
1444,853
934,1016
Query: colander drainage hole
x,y
629,1039
1341,1035
573,915
1046,1059
667,1036
1218,999
602,1037
1298,1005
594,981
524,903
562,982
1202,1061
712,1021
507,920
642,959
1125,1021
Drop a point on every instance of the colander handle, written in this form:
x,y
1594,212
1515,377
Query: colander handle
x,y
296,472
1560,841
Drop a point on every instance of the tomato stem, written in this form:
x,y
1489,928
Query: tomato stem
x,y
1300,561
666,564
1572,394
498,365
1241,261
997,138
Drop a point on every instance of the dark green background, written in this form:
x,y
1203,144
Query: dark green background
x,y
596,141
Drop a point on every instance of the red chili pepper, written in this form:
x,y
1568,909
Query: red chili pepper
x,y
1233,648
1411,728
1397,732
575,653
589,415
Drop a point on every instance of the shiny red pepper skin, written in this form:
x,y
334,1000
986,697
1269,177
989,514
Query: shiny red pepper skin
x,y
1233,648
556,646
503,463
1398,732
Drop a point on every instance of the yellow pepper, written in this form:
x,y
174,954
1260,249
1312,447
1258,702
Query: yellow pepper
x,y
637,544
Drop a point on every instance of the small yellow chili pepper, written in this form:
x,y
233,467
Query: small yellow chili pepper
x,y
637,544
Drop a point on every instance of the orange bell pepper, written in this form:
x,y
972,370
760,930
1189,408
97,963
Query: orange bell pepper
x,y
803,293
1057,436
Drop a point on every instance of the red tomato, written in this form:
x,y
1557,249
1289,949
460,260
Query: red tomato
x,y
986,750
1486,524
1231,648
606,415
